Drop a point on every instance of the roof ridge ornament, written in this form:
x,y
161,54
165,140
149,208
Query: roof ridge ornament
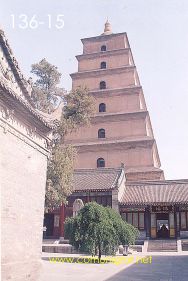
x,y
107,28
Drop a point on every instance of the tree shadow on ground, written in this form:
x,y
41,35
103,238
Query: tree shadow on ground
x,y
161,268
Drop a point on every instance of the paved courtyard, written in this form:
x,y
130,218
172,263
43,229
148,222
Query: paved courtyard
x,y
162,268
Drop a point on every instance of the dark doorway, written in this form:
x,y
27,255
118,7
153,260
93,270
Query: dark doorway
x,y
49,223
163,225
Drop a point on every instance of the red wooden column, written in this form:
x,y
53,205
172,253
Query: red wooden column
x,y
62,220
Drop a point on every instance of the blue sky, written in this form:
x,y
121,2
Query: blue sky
x,y
157,31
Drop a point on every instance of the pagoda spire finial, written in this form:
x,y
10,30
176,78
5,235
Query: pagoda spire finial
x,y
107,28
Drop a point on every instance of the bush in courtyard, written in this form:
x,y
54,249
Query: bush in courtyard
x,y
99,230
126,233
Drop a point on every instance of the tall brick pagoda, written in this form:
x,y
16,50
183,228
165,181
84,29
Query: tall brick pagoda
x,y
120,132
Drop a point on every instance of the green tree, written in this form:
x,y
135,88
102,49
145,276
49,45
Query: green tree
x,y
99,229
77,110
59,176
45,89
126,233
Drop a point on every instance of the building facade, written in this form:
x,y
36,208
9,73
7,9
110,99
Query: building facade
x,y
148,205
24,137
151,205
120,138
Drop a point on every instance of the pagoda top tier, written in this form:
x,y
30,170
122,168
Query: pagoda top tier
x,y
107,34
107,28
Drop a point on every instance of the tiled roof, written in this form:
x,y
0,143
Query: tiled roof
x,y
6,92
96,179
145,193
25,86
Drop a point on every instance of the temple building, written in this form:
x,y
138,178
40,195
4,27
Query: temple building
x,y
118,163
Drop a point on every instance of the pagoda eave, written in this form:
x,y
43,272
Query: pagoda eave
x,y
129,143
102,37
103,54
99,72
118,91
103,117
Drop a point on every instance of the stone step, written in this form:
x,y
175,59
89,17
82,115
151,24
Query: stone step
x,y
69,249
50,241
59,248
184,244
162,246
55,241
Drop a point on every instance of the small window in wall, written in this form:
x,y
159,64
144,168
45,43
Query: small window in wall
x,y
102,85
101,133
129,218
135,218
103,48
184,220
103,65
141,220
123,215
109,201
102,107
104,201
100,163
99,200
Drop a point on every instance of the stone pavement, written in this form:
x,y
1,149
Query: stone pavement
x,y
164,267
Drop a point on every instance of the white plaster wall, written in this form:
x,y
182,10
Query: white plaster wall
x,y
22,181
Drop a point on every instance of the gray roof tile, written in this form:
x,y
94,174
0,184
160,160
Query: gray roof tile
x,y
96,179
145,193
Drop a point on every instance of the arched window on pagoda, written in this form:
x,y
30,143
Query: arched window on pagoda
x,y
102,107
102,85
100,163
103,48
103,65
101,133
